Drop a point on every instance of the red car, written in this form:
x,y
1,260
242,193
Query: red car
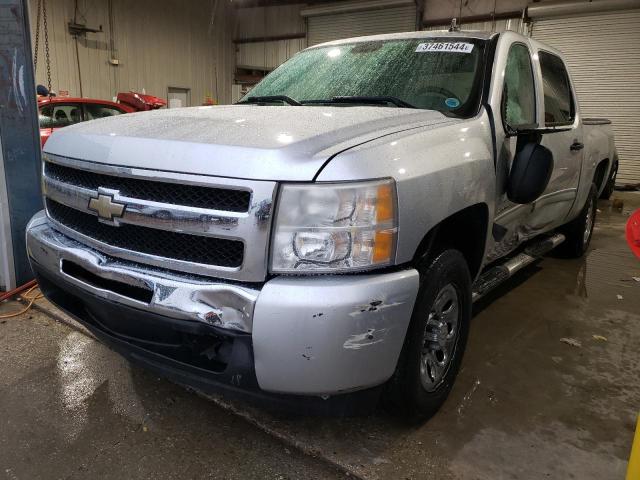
x,y
58,112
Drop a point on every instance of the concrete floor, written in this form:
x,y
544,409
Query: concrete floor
x,y
526,404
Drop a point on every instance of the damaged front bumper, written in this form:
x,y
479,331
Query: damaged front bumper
x,y
319,336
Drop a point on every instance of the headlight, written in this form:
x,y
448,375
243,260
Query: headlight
x,y
334,227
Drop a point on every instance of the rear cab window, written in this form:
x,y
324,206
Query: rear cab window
x,y
95,110
559,105
58,115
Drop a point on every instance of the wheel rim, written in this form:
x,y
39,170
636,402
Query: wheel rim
x,y
440,335
588,224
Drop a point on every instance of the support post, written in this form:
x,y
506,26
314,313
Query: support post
x,y
20,195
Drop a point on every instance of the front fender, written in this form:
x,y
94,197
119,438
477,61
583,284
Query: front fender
x,y
438,171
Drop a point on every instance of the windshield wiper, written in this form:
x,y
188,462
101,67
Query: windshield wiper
x,y
380,99
272,98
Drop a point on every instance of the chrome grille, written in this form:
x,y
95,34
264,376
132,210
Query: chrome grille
x,y
188,248
202,225
172,193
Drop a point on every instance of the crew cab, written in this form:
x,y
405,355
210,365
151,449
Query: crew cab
x,y
57,112
321,242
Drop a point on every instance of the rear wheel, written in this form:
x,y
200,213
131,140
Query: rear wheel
x,y
579,231
435,340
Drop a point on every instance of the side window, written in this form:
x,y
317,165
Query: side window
x,y
57,115
558,99
93,111
518,94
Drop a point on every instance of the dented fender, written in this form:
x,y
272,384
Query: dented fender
x,y
324,335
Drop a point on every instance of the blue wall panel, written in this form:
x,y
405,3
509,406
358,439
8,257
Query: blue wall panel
x,y
19,127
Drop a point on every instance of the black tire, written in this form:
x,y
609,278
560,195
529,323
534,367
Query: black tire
x,y
406,393
578,232
607,191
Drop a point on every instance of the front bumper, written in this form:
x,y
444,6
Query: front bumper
x,y
313,336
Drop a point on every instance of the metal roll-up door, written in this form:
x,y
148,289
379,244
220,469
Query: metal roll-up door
x,y
499,25
335,26
603,54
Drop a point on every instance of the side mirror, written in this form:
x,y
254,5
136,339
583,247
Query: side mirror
x,y
530,173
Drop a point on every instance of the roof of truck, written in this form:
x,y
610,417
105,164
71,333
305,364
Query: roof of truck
x,y
413,35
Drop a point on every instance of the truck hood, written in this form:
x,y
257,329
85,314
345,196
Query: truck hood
x,y
241,141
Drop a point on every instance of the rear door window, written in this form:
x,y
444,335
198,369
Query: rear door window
x,y
95,110
559,108
57,115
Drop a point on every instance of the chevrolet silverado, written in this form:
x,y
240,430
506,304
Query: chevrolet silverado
x,y
321,242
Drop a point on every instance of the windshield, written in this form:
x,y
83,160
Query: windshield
x,y
433,73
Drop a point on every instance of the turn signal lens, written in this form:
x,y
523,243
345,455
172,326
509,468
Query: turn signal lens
x,y
385,204
383,246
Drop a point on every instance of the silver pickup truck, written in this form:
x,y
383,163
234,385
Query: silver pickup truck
x,y
321,243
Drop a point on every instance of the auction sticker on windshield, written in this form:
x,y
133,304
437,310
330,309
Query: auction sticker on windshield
x,y
459,47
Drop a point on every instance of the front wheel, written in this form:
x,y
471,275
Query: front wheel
x,y
436,338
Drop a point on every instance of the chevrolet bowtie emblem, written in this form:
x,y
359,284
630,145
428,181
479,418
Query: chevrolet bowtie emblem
x,y
106,208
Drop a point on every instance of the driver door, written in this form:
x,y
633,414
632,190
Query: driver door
x,y
516,100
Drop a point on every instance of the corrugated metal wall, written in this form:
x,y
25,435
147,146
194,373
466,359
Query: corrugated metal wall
x,y
267,55
259,22
446,10
603,55
513,24
159,43
323,28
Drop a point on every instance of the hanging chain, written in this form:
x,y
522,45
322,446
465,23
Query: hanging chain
x,y
37,45
46,43
42,13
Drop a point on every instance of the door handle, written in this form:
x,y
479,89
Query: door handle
x,y
575,146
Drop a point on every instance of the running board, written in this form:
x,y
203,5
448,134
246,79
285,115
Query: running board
x,y
498,274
